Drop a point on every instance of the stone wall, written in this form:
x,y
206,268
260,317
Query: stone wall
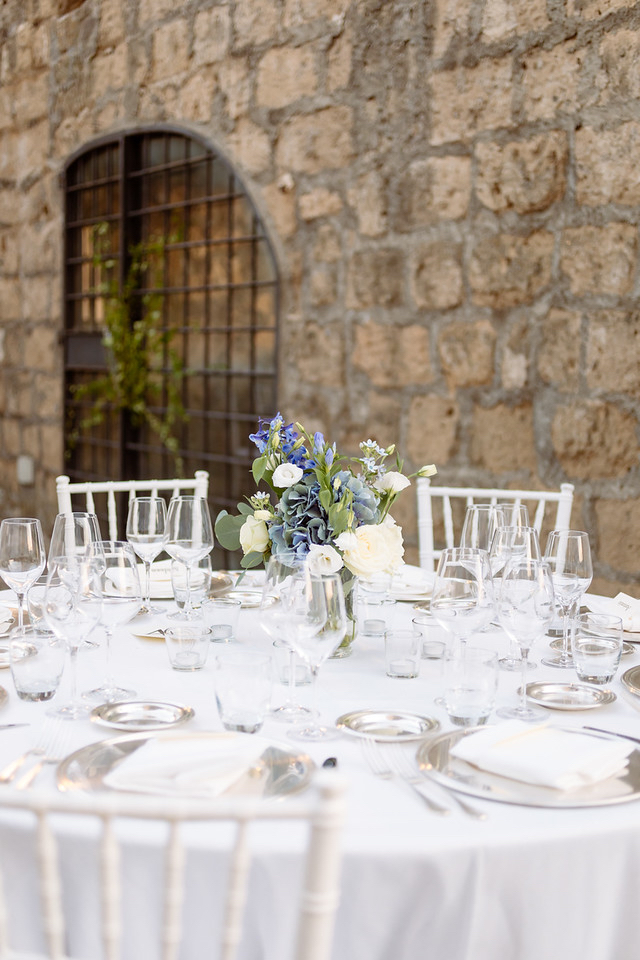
x,y
452,189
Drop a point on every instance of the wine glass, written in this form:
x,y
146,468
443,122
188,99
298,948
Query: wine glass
x,y
324,593
22,556
525,610
462,600
73,534
515,514
275,620
481,521
146,532
189,536
569,556
508,542
121,600
72,608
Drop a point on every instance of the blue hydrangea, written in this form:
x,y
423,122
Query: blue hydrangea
x,y
365,502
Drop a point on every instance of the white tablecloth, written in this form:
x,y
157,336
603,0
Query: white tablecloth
x,y
526,884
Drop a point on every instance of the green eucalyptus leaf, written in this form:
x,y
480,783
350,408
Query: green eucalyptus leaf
x,y
252,559
227,530
258,468
245,509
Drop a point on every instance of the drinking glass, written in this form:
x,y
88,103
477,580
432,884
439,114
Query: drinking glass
x,y
569,556
470,685
37,662
121,600
146,532
72,609
525,610
510,541
597,647
73,534
462,600
481,521
324,593
199,586
243,682
515,514
22,556
189,536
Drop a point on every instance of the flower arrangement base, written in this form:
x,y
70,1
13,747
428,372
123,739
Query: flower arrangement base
x,y
345,649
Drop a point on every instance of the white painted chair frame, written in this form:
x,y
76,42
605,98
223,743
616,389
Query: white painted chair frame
x,y
323,809
426,493
198,485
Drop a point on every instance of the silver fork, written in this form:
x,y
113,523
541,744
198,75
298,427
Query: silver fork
x,y
380,768
54,750
405,768
37,750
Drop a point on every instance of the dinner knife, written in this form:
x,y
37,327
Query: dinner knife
x,y
613,733
5,726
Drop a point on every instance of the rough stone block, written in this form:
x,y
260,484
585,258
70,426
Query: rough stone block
x,y
111,29
436,276
109,71
285,74
317,141
550,81
255,22
613,347
211,35
151,11
235,82
328,244
376,278
195,97
281,205
339,60
170,50
595,9
600,259
619,75
469,99
522,175
367,198
319,203
606,165
618,524
10,299
250,146
559,354
506,270
299,12
503,439
42,349
434,190
506,18
391,356
467,353
432,435
323,287
451,20
318,352
594,440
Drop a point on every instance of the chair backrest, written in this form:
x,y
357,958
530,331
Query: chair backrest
x,y
56,815
197,485
431,498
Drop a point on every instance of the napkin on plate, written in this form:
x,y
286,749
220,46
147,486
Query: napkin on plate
x,y
411,581
544,755
622,605
204,764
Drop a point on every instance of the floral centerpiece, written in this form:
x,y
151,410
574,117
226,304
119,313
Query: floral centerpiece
x,y
331,508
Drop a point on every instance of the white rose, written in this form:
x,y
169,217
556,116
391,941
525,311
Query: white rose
x,y
286,475
372,548
254,536
324,559
392,482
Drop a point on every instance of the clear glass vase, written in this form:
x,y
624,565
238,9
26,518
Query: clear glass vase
x,y
350,586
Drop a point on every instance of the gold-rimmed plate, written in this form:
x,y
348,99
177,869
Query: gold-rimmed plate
x,y
390,726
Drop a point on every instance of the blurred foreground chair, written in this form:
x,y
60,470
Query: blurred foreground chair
x,y
198,485
442,499
56,815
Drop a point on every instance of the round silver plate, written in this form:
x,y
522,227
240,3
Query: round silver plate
x,y
393,726
627,648
279,771
250,599
434,757
568,696
221,583
631,680
141,715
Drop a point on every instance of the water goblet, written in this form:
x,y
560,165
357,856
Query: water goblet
x,y
481,521
462,600
189,536
72,609
146,532
515,514
121,600
525,610
510,541
22,556
73,534
569,556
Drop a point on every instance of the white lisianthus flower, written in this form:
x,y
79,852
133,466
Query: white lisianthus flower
x,y
262,515
254,536
324,559
286,475
372,548
392,482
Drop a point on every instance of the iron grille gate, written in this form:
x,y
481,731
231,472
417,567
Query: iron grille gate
x,y
216,283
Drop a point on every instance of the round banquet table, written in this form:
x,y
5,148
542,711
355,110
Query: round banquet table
x,y
527,883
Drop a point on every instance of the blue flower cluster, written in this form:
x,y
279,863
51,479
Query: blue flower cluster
x,y
275,433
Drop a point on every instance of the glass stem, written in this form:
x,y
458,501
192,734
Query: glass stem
x,y
292,678
187,603
73,678
524,657
107,669
147,575
313,695
565,656
20,609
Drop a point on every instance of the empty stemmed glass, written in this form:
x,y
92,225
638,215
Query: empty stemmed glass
x,y
147,532
72,609
462,600
189,537
22,556
72,536
569,556
525,610
507,543
481,521
121,600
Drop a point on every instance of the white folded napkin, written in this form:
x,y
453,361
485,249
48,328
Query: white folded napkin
x,y
200,764
544,755
412,580
622,605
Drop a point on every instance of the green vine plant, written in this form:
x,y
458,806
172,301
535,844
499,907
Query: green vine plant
x,y
136,345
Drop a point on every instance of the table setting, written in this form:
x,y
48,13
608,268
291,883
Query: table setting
x,y
490,811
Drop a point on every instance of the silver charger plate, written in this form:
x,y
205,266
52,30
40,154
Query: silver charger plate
x,y
627,648
279,771
141,715
392,726
434,757
249,599
631,680
568,696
